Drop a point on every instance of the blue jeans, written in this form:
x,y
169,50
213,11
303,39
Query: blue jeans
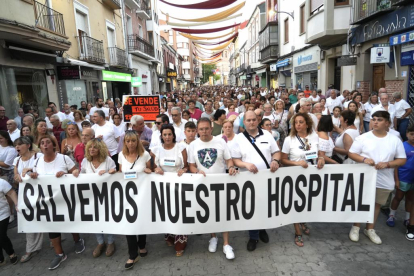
x,y
100,238
254,234
402,127
366,126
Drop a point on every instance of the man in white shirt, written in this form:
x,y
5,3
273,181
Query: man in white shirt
x,y
12,130
52,105
67,113
247,158
100,106
49,113
386,106
333,101
402,112
305,107
209,112
178,122
210,155
170,105
162,119
108,132
344,96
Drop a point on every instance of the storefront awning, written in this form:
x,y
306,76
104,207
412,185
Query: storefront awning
x,y
86,64
283,63
260,71
402,38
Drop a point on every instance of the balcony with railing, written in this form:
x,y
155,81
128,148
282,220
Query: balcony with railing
x,y
49,19
140,47
117,57
365,10
144,10
113,4
90,49
196,71
269,42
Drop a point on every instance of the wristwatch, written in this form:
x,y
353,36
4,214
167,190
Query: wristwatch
x,y
276,161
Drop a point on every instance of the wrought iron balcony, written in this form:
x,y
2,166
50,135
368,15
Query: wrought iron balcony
x,y
49,19
117,57
145,10
90,49
364,10
113,4
138,45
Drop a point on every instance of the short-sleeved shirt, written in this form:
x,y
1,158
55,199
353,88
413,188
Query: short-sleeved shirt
x,y
140,164
156,140
243,149
406,172
210,156
29,164
400,108
391,110
380,149
87,167
294,149
110,133
5,187
172,154
7,155
104,109
61,163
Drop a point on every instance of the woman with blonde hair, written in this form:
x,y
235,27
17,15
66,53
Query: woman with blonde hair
x,y
40,131
98,161
134,159
71,141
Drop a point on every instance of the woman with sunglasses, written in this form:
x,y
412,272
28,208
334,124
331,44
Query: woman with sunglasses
x,y
171,156
98,161
300,148
56,164
369,105
40,131
134,159
72,139
23,163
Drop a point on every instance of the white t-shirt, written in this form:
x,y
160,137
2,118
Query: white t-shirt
x,y
7,155
61,163
110,133
156,137
391,110
140,163
15,134
339,142
243,149
314,119
68,116
383,149
28,164
293,148
368,108
335,121
315,99
211,156
400,108
169,160
272,117
104,109
48,123
182,125
61,116
5,187
332,103
87,167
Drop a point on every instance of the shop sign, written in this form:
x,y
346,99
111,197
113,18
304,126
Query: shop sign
x,y
273,67
347,61
87,73
170,65
380,54
407,58
115,76
68,72
402,38
248,76
136,81
257,77
304,59
146,106
172,74
407,47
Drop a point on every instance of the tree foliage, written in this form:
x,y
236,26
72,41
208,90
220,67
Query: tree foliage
x,y
208,71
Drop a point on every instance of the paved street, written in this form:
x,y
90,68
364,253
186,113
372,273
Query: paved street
x,y
327,251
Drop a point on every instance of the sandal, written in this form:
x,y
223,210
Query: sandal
x,y
143,254
179,253
26,257
305,228
169,241
299,240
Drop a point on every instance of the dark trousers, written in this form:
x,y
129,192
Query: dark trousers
x,y
135,242
5,242
254,234
402,125
115,158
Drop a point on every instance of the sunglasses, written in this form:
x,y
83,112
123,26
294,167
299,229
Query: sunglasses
x,y
72,123
97,139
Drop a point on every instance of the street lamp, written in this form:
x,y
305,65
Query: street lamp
x,y
291,14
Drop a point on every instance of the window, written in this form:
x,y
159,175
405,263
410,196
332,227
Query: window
x,y
302,19
316,6
170,37
110,30
129,25
81,19
341,2
286,30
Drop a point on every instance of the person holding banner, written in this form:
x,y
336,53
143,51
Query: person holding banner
x,y
301,149
23,163
54,163
208,155
255,150
171,156
345,139
384,151
97,161
134,159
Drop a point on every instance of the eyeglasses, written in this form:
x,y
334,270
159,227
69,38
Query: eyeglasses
x,y
175,115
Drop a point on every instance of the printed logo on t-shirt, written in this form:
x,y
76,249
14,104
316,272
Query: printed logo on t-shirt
x,y
207,157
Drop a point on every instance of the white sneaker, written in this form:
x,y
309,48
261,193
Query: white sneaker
x,y
212,244
372,236
354,234
228,250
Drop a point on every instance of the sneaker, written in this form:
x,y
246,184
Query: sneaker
x,y
251,245
212,244
370,233
354,234
57,261
228,250
406,222
391,221
79,246
409,235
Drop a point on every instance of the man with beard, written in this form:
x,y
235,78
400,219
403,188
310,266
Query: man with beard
x,y
99,106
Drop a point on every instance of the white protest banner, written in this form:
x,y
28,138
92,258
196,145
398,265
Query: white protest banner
x,y
194,204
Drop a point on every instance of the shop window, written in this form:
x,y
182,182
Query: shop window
x,y
23,86
286,30
341,2
302,19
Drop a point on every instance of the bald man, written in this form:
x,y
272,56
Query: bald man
x,y
13,130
